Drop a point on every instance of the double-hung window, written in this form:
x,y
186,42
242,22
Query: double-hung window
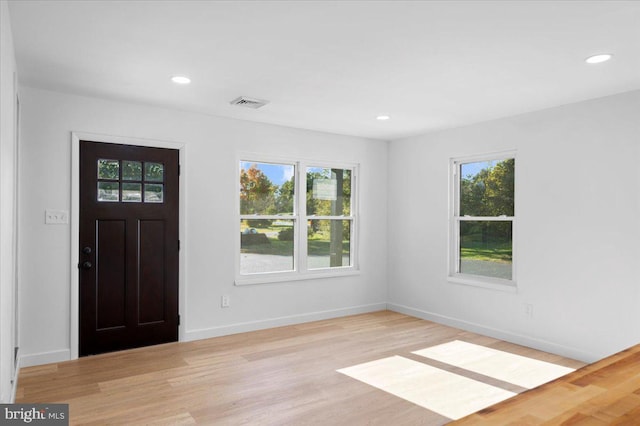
x,y
297,220
483,220
328,217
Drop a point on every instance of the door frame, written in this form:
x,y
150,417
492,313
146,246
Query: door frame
x,y
76,137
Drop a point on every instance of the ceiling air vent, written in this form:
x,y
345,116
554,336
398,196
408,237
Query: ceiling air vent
x,y
243,101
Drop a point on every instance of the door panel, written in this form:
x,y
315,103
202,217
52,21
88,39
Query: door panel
x,y
151,302
110,269
129,246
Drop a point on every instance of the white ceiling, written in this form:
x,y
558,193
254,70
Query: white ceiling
x,y
333,65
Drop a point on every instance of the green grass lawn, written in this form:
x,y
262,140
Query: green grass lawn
x,y
318,246
275,247
487,253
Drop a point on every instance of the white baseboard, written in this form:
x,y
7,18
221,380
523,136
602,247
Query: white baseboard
x,y
44,358
65,354
206,333
531,342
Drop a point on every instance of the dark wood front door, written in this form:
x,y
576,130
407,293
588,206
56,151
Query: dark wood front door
x,y
128,246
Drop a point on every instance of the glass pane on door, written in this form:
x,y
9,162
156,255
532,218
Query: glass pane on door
x,y
153,172
108,169
108,191
132,170
132,192
153,193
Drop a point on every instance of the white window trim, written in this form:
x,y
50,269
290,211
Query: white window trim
x,y
300,271
454,201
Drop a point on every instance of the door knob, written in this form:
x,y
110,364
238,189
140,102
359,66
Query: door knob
x,y
86,250
87,265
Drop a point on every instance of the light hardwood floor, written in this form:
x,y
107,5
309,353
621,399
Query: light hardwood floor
x,y
280,376
604,393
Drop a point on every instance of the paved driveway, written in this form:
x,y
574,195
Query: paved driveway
x,y
251,263
486,268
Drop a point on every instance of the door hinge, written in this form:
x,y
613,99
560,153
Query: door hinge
x,y
179,170
178,319
178,245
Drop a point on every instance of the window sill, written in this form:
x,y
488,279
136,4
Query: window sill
x,y
488,283
294,276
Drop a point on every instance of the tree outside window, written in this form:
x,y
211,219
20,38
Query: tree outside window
x,y
329,219
285,230
484,218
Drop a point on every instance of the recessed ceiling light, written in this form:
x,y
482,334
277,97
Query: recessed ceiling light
x,y
180,79
596,59
382,117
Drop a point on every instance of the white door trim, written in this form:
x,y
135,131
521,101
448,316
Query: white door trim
x,y
76,137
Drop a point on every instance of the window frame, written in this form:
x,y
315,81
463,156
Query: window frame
x,y
294,217
299,217
454,274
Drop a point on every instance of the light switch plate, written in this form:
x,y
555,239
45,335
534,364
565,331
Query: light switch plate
x,y
225,301
56,217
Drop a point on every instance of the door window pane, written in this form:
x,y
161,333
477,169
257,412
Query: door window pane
x,y
131,170
154,172
487,188
153,193
328,192
267,189
108,191
328,243
486,248
108,169
266,246
132,192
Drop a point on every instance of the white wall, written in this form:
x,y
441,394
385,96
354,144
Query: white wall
x,y
577,221
7,203
210,171
578,228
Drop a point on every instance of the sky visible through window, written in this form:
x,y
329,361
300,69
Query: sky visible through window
x,y
472,169
276,173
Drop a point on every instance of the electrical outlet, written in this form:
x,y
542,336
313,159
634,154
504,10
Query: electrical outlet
x,y
56,217
225,301
528,310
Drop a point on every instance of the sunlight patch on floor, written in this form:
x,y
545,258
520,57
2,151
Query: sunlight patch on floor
x,y
445,393
505,366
